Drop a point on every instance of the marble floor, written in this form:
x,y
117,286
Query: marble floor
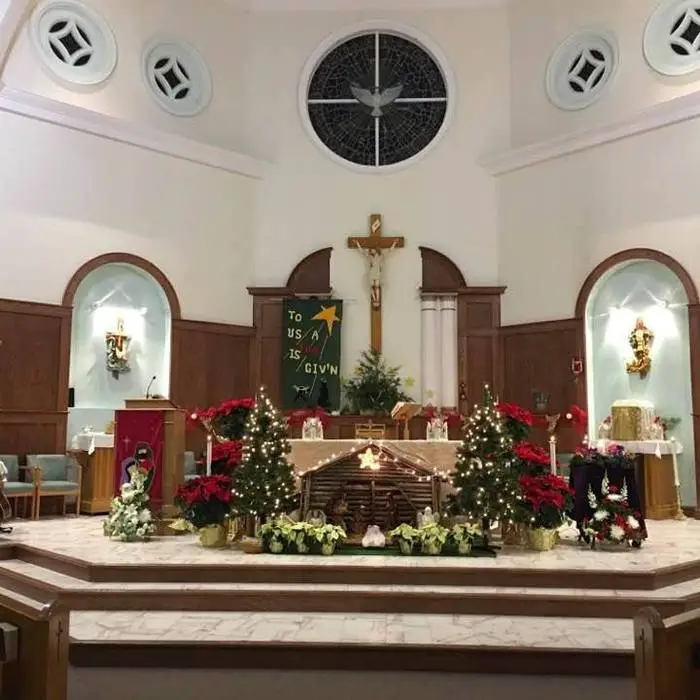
x,y
368,629
670,543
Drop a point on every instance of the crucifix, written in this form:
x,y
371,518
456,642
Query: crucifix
x,y
374,247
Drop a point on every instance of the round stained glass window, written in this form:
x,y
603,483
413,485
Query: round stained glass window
x,y
376,99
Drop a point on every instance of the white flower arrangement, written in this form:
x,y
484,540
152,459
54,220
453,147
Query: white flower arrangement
x,y
130,517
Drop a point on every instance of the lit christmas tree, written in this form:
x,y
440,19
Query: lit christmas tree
x,y
263,483
484,476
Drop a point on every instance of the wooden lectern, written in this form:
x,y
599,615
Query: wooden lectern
x,y
404,411
160,425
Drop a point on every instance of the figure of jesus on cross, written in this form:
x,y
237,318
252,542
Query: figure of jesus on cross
x,y
374,247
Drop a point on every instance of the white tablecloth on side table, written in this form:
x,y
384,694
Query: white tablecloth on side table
x,y
88,442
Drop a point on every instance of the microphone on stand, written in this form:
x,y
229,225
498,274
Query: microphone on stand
x,y
148,388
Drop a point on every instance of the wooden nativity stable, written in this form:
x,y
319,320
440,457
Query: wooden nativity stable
x,y
372,484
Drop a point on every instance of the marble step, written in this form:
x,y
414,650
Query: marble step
x,y
44,584
455,643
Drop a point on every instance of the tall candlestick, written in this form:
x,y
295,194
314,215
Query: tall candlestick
x,y
553,454
209,448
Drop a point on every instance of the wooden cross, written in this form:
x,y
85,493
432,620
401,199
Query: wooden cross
x,y
374,246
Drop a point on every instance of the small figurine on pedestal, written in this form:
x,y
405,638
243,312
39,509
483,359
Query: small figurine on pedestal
x,y
374,537
437,428
427,517
312,429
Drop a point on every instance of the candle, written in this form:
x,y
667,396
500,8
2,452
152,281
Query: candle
x,y
209,448
553,454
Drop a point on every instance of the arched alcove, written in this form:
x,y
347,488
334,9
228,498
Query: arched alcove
x,y
439,273
649,286
122,304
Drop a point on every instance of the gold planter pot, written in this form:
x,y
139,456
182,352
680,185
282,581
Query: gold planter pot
x,y
213,536
541,539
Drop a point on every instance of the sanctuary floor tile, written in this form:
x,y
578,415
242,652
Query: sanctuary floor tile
x,y
670,543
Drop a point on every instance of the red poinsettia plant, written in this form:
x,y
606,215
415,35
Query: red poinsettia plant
x,y
578,419
205,500
531,459
546,498
517,420
296,417
227,419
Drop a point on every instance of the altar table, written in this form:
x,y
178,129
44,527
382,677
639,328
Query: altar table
x,y
440,454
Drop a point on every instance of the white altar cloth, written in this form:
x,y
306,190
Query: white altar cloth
x,y
89,442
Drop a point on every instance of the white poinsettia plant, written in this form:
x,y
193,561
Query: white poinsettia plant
x,y
130,518
613,520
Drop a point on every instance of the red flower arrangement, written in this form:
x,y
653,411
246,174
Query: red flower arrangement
x,y
533,459
228,452
578,418
613,520
545,500
297,417
227,419
205,500
517,420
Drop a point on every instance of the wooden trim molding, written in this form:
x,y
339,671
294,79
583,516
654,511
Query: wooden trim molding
x,y
630,255
104,126
693,328
673,111
129,259
312,274
216,328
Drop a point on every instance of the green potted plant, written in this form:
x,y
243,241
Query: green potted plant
x,y
275,535
462,537
375,388
432,538
328,536
404,535
301,536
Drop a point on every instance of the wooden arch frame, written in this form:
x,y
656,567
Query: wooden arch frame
x,y
439,275
312,274
124,258
631,255
641,254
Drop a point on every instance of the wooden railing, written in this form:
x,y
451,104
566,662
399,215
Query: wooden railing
x,y
39,671
667,655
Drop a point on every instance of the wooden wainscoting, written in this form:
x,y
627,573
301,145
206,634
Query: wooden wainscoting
x,y
478,347
34,363
210,362
537,358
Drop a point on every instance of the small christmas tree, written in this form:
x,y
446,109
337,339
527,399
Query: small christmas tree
x,y
263,483
374,387
484,475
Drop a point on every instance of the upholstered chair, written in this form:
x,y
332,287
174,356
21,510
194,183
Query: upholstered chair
x,y
190,467
19,484
55,475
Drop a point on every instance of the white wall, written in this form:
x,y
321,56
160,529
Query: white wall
x,y
66,196
446,201
539,26
641,289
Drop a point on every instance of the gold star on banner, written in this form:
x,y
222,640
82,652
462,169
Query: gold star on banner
x,y
409,381
368,460
327,314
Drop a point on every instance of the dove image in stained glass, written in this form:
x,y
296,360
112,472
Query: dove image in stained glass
x,y
376,98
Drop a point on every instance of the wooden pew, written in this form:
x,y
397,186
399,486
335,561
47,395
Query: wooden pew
x,y
40,671
667,655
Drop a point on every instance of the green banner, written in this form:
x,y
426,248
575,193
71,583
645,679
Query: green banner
x,y
311,353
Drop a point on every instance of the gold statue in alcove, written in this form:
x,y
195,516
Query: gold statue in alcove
x,y
640,340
